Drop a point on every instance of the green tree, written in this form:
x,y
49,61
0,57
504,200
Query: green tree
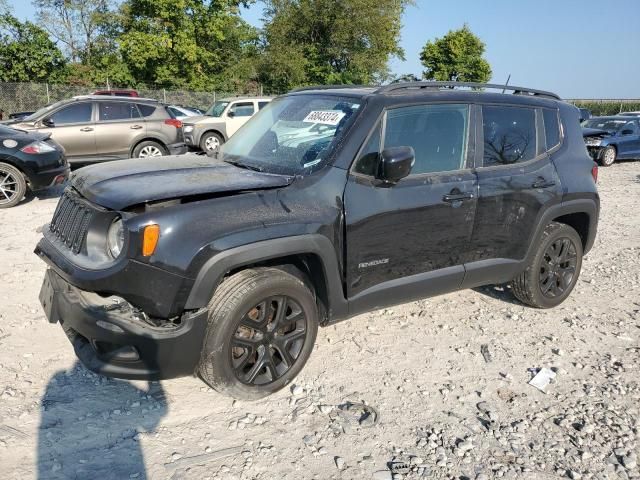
x,y
26,52
197,44
329,42
458,56
76,24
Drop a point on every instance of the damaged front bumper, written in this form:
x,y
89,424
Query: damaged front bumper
x,y
112,338
595,152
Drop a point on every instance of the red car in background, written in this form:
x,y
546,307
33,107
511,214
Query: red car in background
x,y
117,93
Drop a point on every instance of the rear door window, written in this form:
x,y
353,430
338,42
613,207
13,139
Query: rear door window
x,y
76,113
630,128
509,135
113,111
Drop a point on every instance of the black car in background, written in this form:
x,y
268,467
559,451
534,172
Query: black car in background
x,y
329,203
28,160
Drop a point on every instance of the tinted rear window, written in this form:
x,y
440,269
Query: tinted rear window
x,y
110,111
509,135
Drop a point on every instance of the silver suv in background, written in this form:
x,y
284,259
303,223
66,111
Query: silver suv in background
x,y
222,120
94,128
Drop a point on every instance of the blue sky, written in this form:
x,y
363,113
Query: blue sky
x,y
577,48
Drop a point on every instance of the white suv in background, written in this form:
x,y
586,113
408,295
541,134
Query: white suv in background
x,y
222,120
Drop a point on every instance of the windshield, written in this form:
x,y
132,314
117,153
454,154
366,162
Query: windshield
x,y
292,135
42,111
609,124
217,108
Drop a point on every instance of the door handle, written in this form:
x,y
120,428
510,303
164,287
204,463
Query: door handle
x,y
457,197
542,183
135,127
86,129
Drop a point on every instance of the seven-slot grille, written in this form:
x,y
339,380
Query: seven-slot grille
x,y
71,221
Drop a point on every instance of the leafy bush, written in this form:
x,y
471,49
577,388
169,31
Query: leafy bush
x,y
608,107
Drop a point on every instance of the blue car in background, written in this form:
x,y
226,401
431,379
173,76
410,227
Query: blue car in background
x,y
612,138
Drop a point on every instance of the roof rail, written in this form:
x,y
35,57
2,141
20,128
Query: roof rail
x,y
393,87
327,87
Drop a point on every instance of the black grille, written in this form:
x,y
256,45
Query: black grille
x,y
71,220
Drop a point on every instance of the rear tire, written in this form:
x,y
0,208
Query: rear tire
x,y
554,270
210,142
148,149
608,156
261,330
13,186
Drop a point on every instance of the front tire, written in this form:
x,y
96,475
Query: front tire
x,y
608,156
551,275
13,186
261,330
210,142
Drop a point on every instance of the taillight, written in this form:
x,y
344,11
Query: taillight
x,y
37,147
174,122
594,173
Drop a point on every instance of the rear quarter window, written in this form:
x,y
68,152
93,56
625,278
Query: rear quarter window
x,y
146,110
551,127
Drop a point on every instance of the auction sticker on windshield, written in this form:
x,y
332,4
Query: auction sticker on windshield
x,y
325,117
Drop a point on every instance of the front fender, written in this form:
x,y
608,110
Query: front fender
x,y
214,269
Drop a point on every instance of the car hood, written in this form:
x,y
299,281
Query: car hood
x,y
595,132
124,183
203,119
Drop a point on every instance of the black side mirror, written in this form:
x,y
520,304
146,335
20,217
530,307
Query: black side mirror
x,y
47,122
231,114
395,164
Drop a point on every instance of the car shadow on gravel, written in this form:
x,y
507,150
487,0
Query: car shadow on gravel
x,y
499,292
91,426
46,194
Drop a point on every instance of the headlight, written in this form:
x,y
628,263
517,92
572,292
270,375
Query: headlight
x,y
115,238
594,142
188,128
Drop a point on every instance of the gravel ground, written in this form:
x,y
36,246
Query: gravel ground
x,y
432,389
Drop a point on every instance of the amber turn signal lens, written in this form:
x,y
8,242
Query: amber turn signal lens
x,y
150,239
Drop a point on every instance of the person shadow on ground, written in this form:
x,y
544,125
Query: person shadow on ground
x,y
91,426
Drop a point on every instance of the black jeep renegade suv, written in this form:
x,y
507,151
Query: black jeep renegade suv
x,y
329,203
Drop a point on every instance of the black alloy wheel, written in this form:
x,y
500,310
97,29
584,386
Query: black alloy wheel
x,y
268,340
553,271
558,267
262,327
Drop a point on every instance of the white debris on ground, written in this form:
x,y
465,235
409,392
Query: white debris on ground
x,y
432,389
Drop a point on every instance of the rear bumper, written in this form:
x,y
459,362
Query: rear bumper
x,y
177,148
49,178
112,338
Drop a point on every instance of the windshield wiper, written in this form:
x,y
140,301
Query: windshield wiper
x,y
243,165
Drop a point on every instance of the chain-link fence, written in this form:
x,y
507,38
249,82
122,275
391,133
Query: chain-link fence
x,y
28,97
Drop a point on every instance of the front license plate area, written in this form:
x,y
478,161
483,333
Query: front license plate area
x,y
47,299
